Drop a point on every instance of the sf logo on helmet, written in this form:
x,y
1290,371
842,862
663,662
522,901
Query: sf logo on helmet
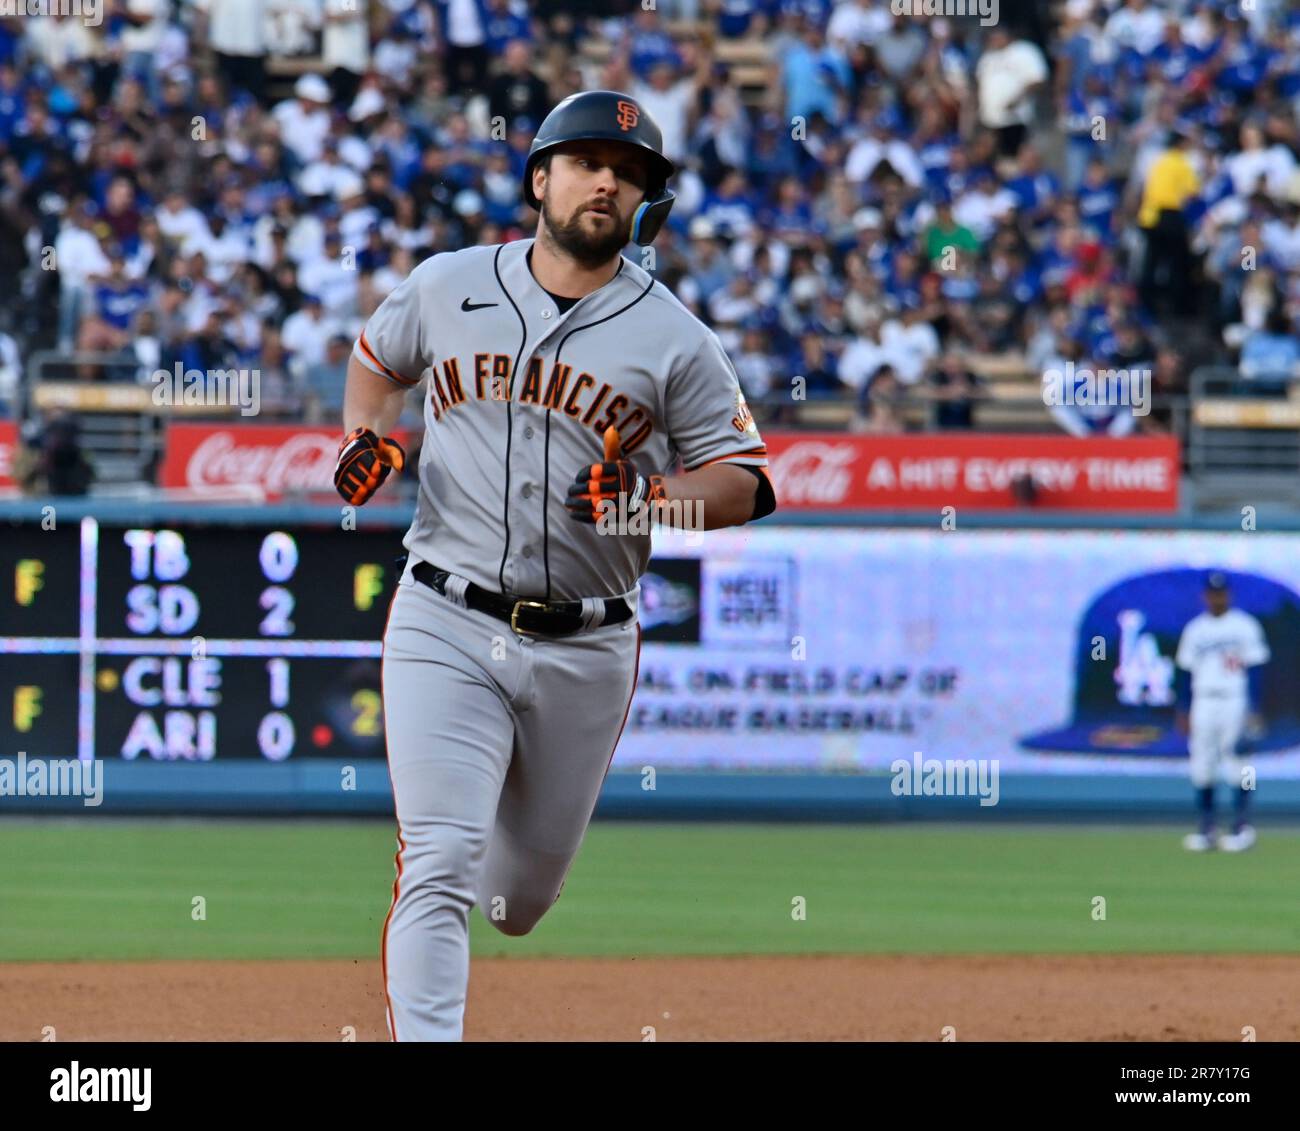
x,y
628,114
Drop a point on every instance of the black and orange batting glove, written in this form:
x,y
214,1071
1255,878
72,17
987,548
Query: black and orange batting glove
x,y
364,463
607,482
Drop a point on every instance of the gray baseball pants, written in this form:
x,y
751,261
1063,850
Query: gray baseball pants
x,y
497,747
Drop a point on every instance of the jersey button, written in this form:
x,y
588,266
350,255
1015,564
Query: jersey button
x,y
546,313
526,491
528,551
528,433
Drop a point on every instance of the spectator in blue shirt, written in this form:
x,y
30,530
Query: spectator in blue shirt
x,y
650,45
792,214
1036,189
731,207
736,16
1023,283
115,300
1098,198
935,144
210,348
818,367
1245,62
904,282
503,25
1085,109
774,154
36,138
1270,357
951,183
814,75
1172,57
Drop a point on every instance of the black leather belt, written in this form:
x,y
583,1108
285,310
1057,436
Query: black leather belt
x,y
526,616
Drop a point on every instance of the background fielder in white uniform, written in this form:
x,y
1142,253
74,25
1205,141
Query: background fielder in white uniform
x,y
561,377
1219,647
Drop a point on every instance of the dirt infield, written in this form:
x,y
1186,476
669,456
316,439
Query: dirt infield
x,y
903,998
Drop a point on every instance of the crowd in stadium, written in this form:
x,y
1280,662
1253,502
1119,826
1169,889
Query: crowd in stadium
x,y
1110,184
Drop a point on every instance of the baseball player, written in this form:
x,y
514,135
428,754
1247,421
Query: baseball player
x,y
564,383
1222,648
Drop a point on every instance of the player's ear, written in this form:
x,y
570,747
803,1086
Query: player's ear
x,y
539,180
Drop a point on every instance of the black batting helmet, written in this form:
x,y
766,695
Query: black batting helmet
x,y
607,115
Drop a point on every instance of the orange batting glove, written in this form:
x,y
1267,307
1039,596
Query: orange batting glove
x,y
599,483
364,463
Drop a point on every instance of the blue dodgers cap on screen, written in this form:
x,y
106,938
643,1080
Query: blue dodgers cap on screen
x,y
1124,702
1217,581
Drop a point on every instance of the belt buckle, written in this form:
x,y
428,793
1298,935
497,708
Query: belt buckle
x,y
514,617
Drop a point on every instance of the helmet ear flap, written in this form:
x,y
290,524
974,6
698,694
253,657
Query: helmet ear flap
x,y
649,217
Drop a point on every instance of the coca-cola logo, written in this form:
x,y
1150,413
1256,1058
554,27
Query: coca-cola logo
x,y
814,472
302,462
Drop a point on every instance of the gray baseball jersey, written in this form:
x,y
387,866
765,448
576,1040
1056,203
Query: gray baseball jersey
x,y
498,742
519,397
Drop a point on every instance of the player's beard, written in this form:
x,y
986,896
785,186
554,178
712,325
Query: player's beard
x,y
580,245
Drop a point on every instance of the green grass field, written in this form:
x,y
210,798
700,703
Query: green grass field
x,y
105,890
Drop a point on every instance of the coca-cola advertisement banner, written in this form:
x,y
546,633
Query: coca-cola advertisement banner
x,y
8,450
270,460
810,470
983,471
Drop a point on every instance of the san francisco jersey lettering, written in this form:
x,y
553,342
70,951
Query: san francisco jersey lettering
x,y
519,395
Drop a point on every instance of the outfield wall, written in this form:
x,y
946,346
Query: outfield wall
x,y
312,787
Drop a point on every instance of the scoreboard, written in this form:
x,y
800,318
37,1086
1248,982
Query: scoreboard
x,y
193,642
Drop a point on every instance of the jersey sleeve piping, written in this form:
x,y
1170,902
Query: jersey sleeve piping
x,y
758,453
366,356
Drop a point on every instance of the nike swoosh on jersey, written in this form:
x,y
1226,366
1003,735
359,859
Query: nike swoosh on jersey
x,y
467,305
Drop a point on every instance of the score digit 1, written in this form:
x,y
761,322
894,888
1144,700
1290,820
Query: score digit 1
x,y
278,558
275,733
278,670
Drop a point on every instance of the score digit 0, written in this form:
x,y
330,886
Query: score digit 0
x,y
275,734
278,556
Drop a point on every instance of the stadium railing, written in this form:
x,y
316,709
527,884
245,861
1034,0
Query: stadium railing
x,y
1240,446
